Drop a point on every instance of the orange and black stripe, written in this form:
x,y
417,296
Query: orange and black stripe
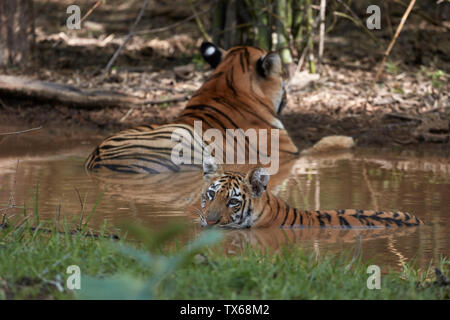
x,y
276,212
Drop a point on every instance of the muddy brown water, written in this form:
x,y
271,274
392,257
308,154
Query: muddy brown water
x,y
361,179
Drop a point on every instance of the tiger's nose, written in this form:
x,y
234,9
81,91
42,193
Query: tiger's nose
x,y
212,217
212,220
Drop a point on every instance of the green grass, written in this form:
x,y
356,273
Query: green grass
x,y
33,265
438,77
291,274
392,67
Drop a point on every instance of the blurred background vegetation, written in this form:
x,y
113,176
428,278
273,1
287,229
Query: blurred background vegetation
x,y
292,27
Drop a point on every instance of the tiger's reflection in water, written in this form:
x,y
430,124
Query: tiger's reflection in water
x,y
276,238
179,190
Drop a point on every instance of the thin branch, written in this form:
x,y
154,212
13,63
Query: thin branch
x,y
173,25
238,26
11,201
129,36
127,114
388,18
373,193
153,102
423,15
19,132
178,99
4,105
95,6
82,204
356,20
155,87
199,22
388,51
299,66
354,15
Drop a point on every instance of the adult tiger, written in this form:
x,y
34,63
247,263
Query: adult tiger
x,y
245,91
235,200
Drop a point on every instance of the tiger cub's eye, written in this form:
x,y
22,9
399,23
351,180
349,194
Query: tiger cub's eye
x,y
211,194
233,202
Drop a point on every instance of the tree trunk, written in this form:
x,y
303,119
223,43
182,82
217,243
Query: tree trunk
x,y
16,32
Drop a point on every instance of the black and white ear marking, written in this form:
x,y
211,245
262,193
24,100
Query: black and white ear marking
x,y
258,178
270,65
210,167
211,54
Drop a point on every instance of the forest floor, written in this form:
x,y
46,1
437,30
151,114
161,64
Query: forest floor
x,y
409,106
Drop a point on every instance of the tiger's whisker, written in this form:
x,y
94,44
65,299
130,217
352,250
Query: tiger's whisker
x,y
201,218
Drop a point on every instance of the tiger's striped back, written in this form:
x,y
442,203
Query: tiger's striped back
x,y
246,91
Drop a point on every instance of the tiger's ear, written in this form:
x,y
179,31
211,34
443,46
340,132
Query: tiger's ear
x,y
211,54
257,180
210,168
270,65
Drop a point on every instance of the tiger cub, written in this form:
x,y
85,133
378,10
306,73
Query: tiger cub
x,y
235,200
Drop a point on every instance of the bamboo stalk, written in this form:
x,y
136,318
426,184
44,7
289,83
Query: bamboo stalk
x,y
298,15
323,4
263,24
309,20
269,8
217,22
283,43
230,23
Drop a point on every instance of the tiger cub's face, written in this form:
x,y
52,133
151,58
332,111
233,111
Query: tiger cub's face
x,y
229,198
248,71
